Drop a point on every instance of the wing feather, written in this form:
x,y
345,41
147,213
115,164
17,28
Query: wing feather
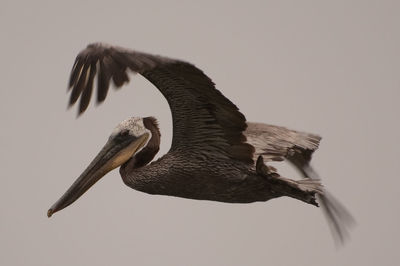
x,y
276,143
80,84
76,69
103,84
87,93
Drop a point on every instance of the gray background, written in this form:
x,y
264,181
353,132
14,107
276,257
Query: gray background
x,y
328,67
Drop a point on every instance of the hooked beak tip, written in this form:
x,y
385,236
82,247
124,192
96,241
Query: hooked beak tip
x,y
50,213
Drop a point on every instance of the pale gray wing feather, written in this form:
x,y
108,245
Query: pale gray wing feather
x,y
276,143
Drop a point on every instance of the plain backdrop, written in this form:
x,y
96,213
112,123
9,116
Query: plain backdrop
x,y
326,67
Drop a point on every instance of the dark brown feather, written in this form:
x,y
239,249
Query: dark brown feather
x,y
147,153
103,82
119,75
75,72
87,93
80,85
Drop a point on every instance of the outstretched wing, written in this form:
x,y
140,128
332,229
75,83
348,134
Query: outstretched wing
x,y
203,119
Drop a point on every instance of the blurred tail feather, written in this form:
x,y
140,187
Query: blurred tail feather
x,y
339,218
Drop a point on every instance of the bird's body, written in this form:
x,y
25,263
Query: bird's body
x,y
215,153
207,176
194,179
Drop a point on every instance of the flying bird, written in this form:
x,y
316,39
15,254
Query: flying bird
x,y
215,153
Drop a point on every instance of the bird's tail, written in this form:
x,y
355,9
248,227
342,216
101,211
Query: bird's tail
x,y
339,218
310,190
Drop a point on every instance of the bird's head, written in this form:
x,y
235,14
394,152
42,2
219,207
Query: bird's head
x,y
126,141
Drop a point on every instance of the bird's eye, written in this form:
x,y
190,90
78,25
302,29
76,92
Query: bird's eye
x,y
120,135
124,132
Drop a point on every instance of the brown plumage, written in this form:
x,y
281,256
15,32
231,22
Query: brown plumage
x,y
215,154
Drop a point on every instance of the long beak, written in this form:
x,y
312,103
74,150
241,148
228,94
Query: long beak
x,y
113,154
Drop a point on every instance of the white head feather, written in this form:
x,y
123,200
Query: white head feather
x,y
134,125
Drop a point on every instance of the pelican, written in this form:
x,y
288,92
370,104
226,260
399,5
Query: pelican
x,y
215,153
